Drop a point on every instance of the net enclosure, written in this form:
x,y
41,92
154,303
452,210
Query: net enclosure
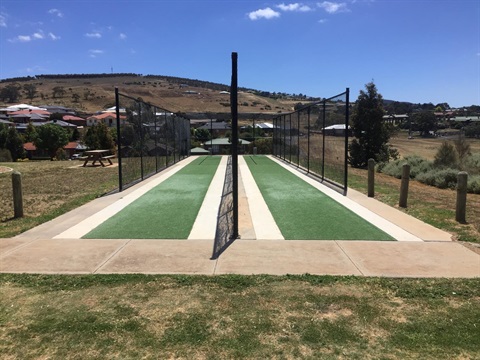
x,y
315,139
149,139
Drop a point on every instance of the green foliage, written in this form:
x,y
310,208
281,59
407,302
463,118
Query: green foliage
x,y
370,131
61,154
99,137
473,184
446,156
51,137
472,130
30,90
441,178
30,133
418,165
463,149
10,93
264,146
425,122
472,163
14,143
56,116
5,155
202,135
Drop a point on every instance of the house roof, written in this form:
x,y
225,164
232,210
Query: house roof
x,y
29,146
199,150
336,127
216,126
30,111
72,118
225,141
21,107
61,123
106,115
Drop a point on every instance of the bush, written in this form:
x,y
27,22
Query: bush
x,y
418,165
446,155
473,184
5,155
441,178
472,164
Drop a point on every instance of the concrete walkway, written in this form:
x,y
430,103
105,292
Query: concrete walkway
x,y
56,247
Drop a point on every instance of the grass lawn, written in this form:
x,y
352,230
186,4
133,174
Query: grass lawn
x,y
168,211
245,317
303,212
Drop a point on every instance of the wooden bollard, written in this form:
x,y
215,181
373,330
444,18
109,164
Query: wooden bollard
x,y
371,177
404,186
17,194
461,208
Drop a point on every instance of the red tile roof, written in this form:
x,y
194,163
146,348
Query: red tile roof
x,y
29,146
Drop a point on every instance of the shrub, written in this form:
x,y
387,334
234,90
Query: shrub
x,y
418,165
441,178
5,155
472,164
446,155
473,184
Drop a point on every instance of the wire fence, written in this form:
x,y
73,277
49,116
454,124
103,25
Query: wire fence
x,y
315,138
149,139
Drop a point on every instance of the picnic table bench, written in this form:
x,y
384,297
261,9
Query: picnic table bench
x,y
97,155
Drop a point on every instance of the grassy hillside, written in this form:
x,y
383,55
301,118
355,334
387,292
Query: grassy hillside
x,y
91,94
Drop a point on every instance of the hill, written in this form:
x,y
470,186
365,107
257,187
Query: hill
x,y
89,93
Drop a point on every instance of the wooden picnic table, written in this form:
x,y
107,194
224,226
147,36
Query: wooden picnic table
x,y
98,155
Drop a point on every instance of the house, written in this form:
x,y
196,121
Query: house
x,y
217,128
336,130
71,148
108,118
395,119
223,146
75,120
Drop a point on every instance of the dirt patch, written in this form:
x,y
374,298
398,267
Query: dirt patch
x,y
4,169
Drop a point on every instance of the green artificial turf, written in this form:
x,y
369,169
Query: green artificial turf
x,y
168,211
303,212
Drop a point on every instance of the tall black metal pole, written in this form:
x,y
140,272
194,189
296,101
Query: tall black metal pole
x,y
234,109
119,141
347,117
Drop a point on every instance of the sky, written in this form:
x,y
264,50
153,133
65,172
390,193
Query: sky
x,y
418,51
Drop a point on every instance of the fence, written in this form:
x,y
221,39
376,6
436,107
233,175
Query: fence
x,y
149,139
315,138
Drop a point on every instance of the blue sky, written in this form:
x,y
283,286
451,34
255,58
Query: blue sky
x,y
414,50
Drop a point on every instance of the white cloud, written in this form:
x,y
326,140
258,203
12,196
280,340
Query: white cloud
x,y
38,35
21,38
95,52
53,36
266,13
122,36
332,7
294,7
3,21
55,12
322,21
95,35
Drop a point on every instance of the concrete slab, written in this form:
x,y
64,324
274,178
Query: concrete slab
x,y
205,223
7,245
265,226
416,227
285,257
402,259
162,257
62,256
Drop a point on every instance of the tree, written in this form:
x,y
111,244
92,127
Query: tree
x,y
10,93
30,133
370,131
58,91
75,97
425,122
202,135
51,137
99,137
446,156
14,143
30,90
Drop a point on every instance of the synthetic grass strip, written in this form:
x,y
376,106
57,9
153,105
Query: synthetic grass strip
x,y
303,212
168,211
